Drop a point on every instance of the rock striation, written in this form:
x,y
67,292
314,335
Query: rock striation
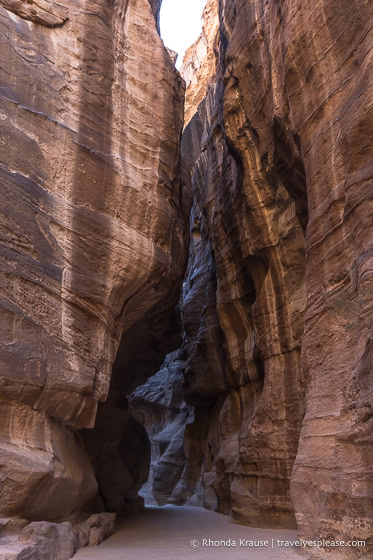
x,y
93,235
159,406
243,307
276,313
199,63
262,408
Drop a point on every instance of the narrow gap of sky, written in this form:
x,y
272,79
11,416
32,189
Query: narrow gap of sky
x,y
181,24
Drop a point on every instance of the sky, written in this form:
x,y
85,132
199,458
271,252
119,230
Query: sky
x,y
181,24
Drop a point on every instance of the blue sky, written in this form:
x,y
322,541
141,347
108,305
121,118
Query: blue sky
x,y
181,24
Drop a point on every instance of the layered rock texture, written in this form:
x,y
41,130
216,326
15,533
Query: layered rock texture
x,y
199,63
160,407
262,409
92,251
41,540
277,352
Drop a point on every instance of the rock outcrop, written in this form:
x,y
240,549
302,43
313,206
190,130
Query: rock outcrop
x,y
159,406
43,540
92,229
199,63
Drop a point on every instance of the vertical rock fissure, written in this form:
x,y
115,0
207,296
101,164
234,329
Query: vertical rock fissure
x,y
242,339
224,362
276,344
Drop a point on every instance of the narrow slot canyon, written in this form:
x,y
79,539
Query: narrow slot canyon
x,y
186,241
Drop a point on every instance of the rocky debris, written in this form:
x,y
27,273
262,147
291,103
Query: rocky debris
x,y
93,237
21,540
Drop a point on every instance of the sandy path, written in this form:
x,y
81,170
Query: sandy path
x,y
166,534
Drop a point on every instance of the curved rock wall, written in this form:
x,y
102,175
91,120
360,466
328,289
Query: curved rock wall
x,y
274,423
256,254
279,159
92,228
159,406
302,82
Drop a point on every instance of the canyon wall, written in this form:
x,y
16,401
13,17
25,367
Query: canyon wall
x,y
199,63
262,409
93,238
276,307
297,107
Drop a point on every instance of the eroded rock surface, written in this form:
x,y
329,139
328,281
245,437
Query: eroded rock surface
x,y
279,157
41,540
199,63
39,11
159,406
92,230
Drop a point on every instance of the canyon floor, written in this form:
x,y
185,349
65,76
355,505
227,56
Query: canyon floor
x,y
168,533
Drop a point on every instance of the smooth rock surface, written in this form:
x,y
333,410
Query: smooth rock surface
x,y
92,230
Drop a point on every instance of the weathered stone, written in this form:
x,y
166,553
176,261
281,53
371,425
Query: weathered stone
x,y
93,234
279,156
11,527
199,63
101,526
52,541
39,11
159,406
44,465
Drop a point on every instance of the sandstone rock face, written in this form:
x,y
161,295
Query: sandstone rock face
x,y
263,407
254,410
92,230
41,459
40,540
279,159
41,12
118,445
250,330
159,406
199,63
